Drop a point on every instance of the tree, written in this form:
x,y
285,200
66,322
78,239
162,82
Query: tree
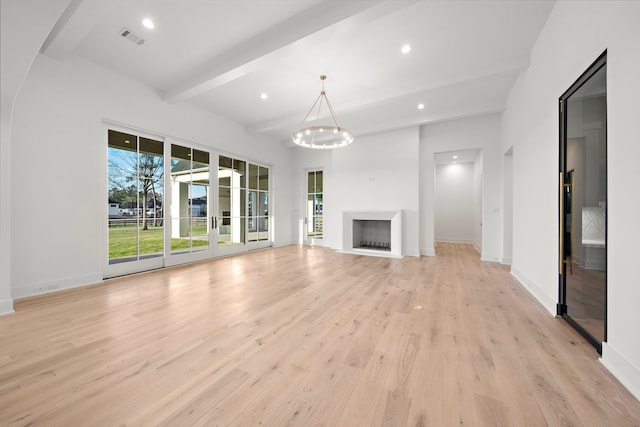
x,y
134,176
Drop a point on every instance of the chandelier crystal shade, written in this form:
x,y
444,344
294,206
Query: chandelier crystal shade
x,y
321,136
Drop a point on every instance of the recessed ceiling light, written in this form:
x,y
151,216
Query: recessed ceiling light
x,y
406,49
264,96
148,23
455,157
420,106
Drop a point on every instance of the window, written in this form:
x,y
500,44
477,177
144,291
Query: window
x,y
136,188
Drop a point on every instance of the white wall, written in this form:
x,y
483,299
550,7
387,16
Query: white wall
x,y
478,189
59,156
377,172
454,203
24,27
507,207
575,34
465,134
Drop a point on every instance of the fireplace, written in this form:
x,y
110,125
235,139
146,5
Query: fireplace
x,y
372,234
377,233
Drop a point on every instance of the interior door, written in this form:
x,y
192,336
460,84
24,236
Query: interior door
x,y
583,204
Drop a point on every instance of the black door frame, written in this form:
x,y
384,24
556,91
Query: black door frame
x,y
561,307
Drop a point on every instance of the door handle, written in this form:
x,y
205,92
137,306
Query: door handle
x,y
214,222
561,232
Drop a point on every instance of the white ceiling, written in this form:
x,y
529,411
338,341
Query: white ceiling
x,y
452,157
222,54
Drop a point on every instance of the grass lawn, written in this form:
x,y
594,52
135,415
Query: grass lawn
x,y
123,241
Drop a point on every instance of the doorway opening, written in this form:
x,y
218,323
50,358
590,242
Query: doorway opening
x,y
458,197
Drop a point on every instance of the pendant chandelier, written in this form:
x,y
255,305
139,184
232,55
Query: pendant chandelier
x,y
322,136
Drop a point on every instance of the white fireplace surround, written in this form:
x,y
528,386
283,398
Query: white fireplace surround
x,y
396,232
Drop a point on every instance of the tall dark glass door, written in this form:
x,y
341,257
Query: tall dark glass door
x,y
583,204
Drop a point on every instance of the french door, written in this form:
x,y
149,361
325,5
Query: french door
x,y
583,204
243,205
192,231
136,216
171,203
313,232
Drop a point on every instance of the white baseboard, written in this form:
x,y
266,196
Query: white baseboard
x,y
428,252
25,291
489,258
6,306
535,290
622,369
279,244
453,240
412,252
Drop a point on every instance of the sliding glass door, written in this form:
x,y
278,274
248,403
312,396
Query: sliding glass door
x,y
190,196
170,203
135,236
583,204
243,205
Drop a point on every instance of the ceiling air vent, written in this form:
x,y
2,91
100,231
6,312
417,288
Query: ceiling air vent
x,y
131,36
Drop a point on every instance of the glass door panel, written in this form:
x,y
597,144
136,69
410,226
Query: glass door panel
x,y
258,204
136,190
314,219
584,197
232,201
190,177
253,210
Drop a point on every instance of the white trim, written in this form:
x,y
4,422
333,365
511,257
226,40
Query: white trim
x,y
56,285
428,252
412,252
455,240
622,369
6,307
505,260
489,258
223,251
535,290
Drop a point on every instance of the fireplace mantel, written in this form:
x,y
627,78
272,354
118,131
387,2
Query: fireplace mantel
x,y
395,217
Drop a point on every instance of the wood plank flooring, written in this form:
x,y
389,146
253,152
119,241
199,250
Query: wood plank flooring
x,y
304,336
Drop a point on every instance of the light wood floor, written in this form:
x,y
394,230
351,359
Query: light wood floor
x,y
304,336
586,298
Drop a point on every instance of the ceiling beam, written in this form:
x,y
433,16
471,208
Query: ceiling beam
x,y
318,21
79,18
409,89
